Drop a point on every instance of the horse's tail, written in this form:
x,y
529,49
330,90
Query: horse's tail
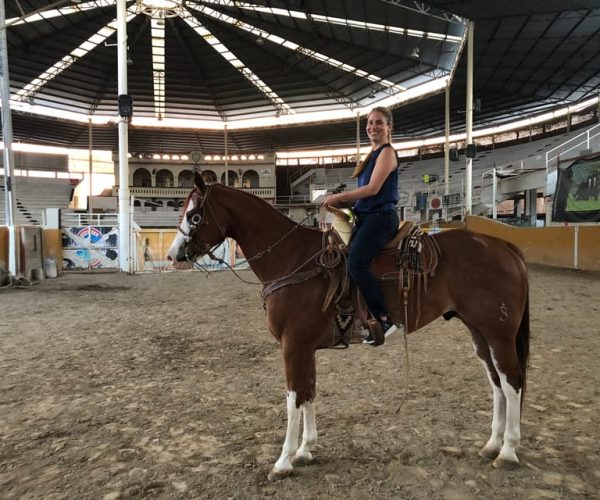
x,y
522,342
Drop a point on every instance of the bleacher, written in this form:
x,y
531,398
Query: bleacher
x,y
33,195
524,157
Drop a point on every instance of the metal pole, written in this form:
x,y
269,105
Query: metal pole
x,y
226,157
447,147
124,225
357,138
90,164
495,179
469,117
447,151
8,155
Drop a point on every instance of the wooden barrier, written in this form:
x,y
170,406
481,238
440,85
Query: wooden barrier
x,y
4,241
574,247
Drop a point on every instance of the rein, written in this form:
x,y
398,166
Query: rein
x,y
199,219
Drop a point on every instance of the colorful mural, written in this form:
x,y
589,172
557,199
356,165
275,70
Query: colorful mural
x,y
90,247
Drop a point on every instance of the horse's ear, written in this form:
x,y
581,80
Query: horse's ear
x,y
199,181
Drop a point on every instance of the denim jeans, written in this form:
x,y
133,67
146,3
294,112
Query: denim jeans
x,y
370,234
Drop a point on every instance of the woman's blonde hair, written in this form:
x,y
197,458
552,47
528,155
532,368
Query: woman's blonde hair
x,y
389,118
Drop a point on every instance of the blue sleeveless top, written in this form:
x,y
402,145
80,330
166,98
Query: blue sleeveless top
x,y
388,195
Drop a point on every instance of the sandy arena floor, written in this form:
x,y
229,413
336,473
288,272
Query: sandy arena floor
x,y
169,386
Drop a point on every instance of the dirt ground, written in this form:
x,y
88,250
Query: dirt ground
x,y
169,386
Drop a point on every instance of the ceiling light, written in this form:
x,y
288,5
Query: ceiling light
x,y
160,9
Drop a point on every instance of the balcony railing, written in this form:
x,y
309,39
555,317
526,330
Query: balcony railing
x,y
172,192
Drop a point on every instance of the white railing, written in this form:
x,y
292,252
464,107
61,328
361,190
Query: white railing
x,y
590,137
73,219
172,192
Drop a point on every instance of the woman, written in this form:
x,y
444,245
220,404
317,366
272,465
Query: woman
x,y
375,208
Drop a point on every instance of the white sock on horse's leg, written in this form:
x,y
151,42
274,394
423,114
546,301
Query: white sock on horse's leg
x,y
512,430
283,466
494,444
309,433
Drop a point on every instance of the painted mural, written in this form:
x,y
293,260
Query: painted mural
x,y
90,247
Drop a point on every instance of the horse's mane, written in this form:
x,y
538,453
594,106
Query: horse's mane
x,y
255,199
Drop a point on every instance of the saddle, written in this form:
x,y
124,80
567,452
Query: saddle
x,y
407,259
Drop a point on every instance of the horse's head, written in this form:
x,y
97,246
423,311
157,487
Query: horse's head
x,y
199,229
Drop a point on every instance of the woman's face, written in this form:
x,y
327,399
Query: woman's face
x,y
377,127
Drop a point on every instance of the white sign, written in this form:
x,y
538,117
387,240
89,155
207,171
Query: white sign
x,y
404,199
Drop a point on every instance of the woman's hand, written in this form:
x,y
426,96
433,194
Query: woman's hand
x,y
333,200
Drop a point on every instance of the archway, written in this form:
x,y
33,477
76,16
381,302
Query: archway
x,y
142,178
250,179
164,178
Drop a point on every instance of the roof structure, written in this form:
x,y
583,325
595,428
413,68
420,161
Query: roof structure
x,y
200,64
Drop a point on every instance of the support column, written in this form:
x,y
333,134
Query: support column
x,y
226,157
124,211
531,206
90,164
447,151
357,138
8,155
469,120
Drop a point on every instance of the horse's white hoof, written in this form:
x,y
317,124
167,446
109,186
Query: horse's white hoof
x,y
505,464
278,475
489,453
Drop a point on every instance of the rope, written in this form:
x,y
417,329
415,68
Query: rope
x,y
406,372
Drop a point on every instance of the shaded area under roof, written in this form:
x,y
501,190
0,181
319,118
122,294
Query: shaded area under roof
x,y
529,57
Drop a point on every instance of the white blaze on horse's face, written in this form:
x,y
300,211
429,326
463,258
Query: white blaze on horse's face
x,y
179,241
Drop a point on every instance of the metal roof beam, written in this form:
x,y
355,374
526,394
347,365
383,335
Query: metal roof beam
x,y
350,23
28,92
288,44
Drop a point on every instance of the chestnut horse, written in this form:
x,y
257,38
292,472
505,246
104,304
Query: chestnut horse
x,y
479,279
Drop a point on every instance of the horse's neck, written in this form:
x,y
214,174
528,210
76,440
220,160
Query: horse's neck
x,y
259,229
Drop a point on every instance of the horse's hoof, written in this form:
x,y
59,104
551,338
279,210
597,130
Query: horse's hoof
x,y
278,475
302,460
504,464
490,453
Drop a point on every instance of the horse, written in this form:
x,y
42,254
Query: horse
x,y
479,279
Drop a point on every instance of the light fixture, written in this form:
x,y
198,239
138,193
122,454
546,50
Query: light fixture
x,y
416,53
160,9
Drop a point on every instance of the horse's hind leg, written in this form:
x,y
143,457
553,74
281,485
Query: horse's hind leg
x,y
505,361
494,444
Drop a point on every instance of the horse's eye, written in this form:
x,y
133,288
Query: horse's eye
x,y
194,218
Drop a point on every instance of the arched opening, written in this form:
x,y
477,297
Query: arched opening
x,y
164,178
250,179
233,179
142,178
185,179
209,176
137,203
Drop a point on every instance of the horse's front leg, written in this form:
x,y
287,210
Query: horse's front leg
x,y
300,375
283,467
309,435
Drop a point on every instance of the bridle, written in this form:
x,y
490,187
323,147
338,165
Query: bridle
x,y
198,220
